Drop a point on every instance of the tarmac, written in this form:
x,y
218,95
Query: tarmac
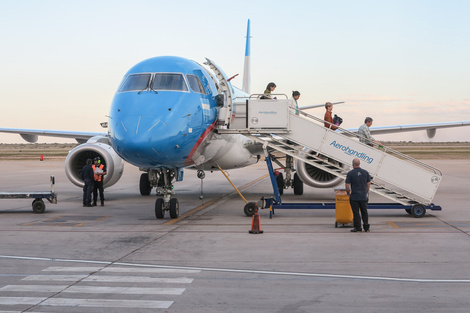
x,y
120,258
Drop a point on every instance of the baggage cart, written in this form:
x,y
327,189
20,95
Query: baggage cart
x,y
38,204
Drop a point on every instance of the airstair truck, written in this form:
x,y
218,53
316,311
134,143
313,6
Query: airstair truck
x,y
408,182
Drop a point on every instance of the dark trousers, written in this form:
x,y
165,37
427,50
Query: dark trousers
x,y
87,190
98,187
359,209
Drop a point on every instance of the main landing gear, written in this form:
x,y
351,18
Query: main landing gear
x,y
284,183
163,181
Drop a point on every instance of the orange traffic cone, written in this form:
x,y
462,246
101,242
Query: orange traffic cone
x,y
41,158
255,223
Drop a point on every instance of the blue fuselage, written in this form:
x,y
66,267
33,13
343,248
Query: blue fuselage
x,y
163,110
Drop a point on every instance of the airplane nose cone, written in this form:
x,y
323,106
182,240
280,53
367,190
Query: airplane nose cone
x,y
139,129
147,140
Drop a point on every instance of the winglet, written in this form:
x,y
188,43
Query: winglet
x,y
246,70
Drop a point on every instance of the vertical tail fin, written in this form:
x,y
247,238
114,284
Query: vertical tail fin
x,y
246,71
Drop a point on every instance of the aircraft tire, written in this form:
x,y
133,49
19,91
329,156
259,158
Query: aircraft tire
x,y
144,185
159,213
280,183
174,208
298,185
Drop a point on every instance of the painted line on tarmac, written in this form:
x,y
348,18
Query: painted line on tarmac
x,y
193,211
94,289
63,302
211,202
90,269
258,272
109,279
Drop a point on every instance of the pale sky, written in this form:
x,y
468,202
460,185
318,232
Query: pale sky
x,y
400,62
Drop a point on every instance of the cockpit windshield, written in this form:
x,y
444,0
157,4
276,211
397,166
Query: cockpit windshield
x,y
135,82
169,81
158,81
195,84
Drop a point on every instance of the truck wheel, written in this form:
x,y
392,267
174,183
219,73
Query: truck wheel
x,y
249,209
418,210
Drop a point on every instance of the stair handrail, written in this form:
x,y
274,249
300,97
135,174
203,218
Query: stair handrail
x,y
375,186
385,149
259,95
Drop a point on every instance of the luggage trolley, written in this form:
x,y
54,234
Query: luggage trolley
x,y
38,204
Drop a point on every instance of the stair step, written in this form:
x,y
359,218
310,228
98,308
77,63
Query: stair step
x,y
316,159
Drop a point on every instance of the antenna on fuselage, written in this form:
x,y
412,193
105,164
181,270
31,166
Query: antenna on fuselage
x,y
246,71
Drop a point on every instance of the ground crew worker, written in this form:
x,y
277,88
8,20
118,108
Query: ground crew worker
x,y
99,171
357,187
88,179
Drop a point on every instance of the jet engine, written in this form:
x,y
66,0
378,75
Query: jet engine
x,y
315,177
94,147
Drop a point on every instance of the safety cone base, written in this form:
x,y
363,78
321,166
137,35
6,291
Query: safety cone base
x,y
255,231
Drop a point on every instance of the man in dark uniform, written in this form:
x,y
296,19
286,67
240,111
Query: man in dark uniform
x,y
87,176
99,171
357,187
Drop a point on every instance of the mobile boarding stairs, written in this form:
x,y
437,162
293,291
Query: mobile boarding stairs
x,y
409,183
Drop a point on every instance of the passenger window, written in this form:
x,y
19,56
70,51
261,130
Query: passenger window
x,y
135,82
195,84
165,81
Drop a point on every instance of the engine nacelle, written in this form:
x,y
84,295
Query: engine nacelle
x,y
96,146
431,132
315,177
226,151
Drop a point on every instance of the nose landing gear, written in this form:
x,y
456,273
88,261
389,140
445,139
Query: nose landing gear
x,y
161,206
163,181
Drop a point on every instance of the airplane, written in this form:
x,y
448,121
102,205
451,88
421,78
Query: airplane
x,y
163,119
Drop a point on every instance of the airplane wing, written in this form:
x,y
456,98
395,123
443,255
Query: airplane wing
x,y
317,105
31,135
430,128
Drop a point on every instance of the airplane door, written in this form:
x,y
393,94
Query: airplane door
x,y
225,112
